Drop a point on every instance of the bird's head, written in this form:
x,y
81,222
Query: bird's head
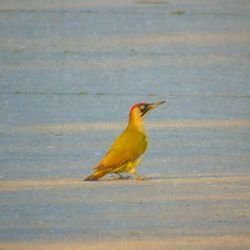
x,y
139,110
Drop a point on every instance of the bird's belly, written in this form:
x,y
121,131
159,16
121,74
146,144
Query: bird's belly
x,y
143,145
127,167
123,168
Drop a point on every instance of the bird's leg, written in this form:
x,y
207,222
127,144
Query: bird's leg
x,y
116,176
127,177
133,172
122,177
119,176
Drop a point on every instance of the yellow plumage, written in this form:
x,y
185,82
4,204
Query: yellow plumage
x,y
124,154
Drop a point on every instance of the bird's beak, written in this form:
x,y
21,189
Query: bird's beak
x,y
150,107
155,105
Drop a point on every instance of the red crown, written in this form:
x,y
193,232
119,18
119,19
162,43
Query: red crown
x,y
135,105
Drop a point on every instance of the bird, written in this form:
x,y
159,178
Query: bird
x,y
124,155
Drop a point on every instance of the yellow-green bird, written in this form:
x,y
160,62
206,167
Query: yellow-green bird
x,y
124,155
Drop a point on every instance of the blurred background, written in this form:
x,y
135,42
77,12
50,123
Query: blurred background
x,y
65,62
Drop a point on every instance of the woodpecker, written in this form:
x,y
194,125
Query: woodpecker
x,y
124,155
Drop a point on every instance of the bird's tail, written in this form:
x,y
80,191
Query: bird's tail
x,y
95,176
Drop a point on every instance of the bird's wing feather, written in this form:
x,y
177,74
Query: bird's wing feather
x,y
128,147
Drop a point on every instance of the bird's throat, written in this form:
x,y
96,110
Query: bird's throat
x,y
136,122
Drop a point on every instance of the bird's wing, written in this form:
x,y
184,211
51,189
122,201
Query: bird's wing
x,y
108,165
128,147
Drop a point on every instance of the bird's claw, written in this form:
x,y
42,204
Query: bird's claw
x,y
121,177
143,178
127,177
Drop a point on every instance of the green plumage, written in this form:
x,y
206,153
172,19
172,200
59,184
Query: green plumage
x,y
124,154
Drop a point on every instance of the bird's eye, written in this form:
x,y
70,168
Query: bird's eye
x,y
142,107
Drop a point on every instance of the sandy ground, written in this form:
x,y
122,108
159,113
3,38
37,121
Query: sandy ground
x,y
217,203
223,242
69,72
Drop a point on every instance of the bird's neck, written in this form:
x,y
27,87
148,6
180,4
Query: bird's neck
x,y
136,123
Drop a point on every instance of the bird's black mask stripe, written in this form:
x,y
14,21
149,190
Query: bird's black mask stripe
x,y
145,110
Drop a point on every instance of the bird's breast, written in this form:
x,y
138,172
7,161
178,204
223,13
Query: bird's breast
x,y
144,143
140,142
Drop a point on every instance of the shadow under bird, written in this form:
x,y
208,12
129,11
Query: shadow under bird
x,y
124,155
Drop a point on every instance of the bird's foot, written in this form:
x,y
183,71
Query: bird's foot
x,y
141,178
124,177
127,177
121,177
116,177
